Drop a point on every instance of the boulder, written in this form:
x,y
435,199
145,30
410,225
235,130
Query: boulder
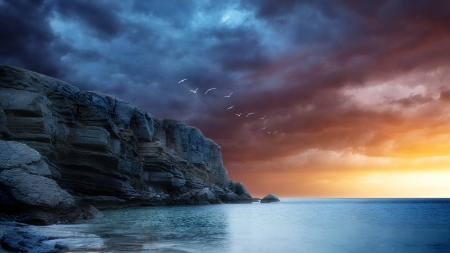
x,y
19,239
90,212
26,189
269,198
14,154
205,196
35,190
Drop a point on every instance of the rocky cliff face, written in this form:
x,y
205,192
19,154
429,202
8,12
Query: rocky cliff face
x,y
100,150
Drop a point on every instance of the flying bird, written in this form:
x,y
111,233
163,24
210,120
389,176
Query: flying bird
x,y
283,134
249,114
268,132
263,128
263,117
209,90
239,115
230,107
182,80
275,132
228,95
195,91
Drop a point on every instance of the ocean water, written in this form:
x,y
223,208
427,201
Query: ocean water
x,y
292,225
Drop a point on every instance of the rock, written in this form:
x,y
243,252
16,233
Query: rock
x,y
35,190
206,196
61,246
15,154
232,197
240,189
269,198
20,239
24,186
103,202
183,198
90,212
4,131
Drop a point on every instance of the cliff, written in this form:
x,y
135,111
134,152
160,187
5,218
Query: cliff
x,y
62,149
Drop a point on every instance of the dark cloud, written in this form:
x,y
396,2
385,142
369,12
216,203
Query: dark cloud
x,y
177,13
274,11
292,61
26,39
235,49
100,16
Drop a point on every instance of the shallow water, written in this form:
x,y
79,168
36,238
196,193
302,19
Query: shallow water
x,y
292,225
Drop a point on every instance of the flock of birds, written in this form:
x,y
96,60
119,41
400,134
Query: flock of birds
x,y
237,114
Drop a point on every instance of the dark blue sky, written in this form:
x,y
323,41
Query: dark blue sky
x,y
330,75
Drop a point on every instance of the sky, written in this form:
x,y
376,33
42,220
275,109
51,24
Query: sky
x,y
349,98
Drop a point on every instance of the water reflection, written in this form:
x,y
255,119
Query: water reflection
x,y
146,229
293,225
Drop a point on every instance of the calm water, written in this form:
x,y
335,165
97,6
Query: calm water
x,y
292,225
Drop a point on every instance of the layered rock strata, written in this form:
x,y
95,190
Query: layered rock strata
x,y
93,149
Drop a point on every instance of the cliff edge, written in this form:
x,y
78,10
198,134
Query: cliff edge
x,y
63,149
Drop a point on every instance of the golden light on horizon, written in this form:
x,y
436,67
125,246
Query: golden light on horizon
x,y
386,138
333,174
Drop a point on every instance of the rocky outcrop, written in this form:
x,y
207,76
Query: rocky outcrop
x,y
25,189
269,198
88,146
20,238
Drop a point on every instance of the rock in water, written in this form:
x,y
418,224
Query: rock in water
x,y
269,198
90,144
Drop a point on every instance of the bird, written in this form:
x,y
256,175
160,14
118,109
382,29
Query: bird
x,y
263,128
275,132
228,95
249,114
268,132
239,115
182,80
283,134
209,90
195,91
263,117
230,107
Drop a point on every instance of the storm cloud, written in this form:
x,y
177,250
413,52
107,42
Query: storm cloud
x,y
367,77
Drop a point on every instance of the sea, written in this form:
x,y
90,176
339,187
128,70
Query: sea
x,y
291,225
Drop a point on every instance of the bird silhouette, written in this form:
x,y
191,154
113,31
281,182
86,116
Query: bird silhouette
x,y
263,117
230,107
228,95
263,128
239,115
209,90
275,132
182,80
249,114
195,91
